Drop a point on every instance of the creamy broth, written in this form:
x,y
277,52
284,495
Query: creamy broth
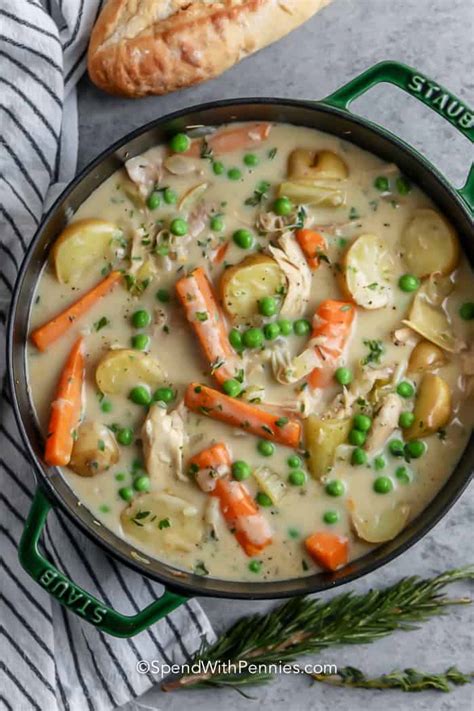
x,y
369,207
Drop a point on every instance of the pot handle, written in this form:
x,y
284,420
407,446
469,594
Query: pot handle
x,y
77,600
422,88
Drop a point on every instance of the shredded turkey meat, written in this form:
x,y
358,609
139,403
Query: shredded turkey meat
x,y
164,438
146,171
385,422
292,262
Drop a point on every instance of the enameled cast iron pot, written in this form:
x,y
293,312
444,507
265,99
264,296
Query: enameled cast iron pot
x,y
332,116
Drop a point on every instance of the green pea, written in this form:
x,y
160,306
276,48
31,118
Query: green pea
x,y
125,436
297,477
359,457
243,239
301,327
466,311
405,389
218,167
142,483
126,493
217,223
141,318
241,470
395,447
415,449
403,185
255,566
343,376
163,295
331,517
180,143
266,448
383,485
103,508
406,420
271,331
121,476
106,406
357,438
267,306
169,196
381,183
166,395
140,342
335,488
285,327
409,283
253,338
235,339
153,200
362,422
379,463
403,474
294,461
263,499
293,533
140,395
234,174
282,206
231,387
251,160
178,226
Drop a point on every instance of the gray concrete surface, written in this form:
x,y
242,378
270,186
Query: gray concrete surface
x,y
436,36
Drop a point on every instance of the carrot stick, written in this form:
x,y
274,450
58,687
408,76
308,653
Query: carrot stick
x,y
232,139
237,413
45,335
220,253
208,465
66,408
312,244
212,457
205,316
332,323
241,513
328,550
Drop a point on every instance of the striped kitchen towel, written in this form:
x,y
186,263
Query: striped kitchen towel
x,y
49,658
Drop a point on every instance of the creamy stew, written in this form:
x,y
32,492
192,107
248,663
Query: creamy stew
x,y
251,352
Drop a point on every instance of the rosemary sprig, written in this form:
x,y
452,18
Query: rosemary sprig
x,y
409,680
306,625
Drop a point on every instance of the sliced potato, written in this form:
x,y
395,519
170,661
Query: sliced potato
x,y
95,449
323,437
313,192
243,285
120,370
365,268
82,245
270,483
427,316
380,527
304,164
163,522
432,409
425,356
430,244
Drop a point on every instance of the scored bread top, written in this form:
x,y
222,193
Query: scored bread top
x,y
141,47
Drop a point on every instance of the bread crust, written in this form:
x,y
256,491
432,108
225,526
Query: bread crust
x,y
141,47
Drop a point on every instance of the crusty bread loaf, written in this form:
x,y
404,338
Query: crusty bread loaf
x,y
141,47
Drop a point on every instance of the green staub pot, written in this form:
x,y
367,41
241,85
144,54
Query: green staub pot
x,y
331,115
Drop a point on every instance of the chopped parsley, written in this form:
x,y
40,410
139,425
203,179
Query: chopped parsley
x,y
101,323
164,523
376,350
260,193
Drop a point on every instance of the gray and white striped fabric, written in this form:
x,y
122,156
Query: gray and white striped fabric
x,y
49,658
